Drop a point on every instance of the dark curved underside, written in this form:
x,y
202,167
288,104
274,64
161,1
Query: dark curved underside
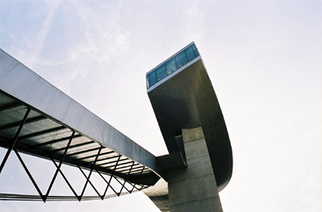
x,y
187,100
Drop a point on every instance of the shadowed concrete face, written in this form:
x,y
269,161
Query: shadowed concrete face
x,y
159,195
194,188
189,189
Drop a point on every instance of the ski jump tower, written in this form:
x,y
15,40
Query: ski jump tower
x,y
38,119
199,164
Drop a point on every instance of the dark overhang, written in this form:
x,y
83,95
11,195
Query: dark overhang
x,y
53,126
184,99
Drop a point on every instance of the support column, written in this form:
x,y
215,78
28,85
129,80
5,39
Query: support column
x,y
194,188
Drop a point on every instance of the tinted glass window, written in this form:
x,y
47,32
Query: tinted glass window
x,y
189,53
194,49
181,59
152,78
147,81
161,73
171,66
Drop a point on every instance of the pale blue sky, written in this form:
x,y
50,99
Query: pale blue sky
x,y
263,58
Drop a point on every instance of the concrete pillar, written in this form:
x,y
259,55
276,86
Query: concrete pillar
x,y
194,188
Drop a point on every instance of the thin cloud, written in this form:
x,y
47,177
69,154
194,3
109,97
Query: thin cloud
x,y
103,39
41,38
195,19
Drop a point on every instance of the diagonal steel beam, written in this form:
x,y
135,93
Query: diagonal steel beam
x,y
90,173
14,140
30,176
58,168
142,185
109,182
65,178
123,185
92,184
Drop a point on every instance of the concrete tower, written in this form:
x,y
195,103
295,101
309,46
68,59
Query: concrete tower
x,y
199,163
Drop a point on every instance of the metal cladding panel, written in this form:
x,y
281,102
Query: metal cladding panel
x,y
22,88
187,100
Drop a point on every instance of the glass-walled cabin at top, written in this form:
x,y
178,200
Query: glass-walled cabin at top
x,y
172,64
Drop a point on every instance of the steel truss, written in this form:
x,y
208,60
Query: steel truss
x,y
117,163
